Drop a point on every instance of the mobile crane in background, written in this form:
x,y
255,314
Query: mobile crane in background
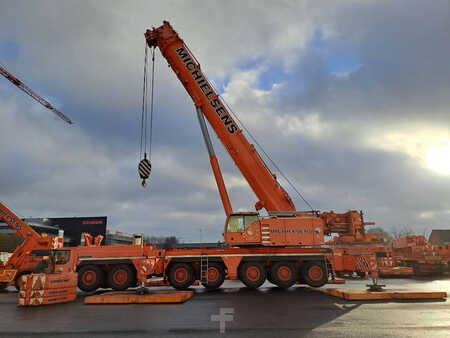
x,y
419,254
14,80
27,255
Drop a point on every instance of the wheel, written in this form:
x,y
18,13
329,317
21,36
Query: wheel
x,y
181,276
252,274
90,278
216,276
3,286
18,280
361,274
314,274
120,277
284,274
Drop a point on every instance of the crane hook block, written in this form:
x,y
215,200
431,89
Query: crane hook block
x,y
145,167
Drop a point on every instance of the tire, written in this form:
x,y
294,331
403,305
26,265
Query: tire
x,y
216,276
314,274
90,278
284,274
17,281
3,286
181,276
120,277
361,274
252,274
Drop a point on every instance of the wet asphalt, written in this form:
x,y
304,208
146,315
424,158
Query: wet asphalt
x,y
266,312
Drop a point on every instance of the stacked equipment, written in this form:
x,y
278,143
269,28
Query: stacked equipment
x,y
46,289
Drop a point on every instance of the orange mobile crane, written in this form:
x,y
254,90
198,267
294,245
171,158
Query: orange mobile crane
x,y
284,247
27,255
285,226
416,252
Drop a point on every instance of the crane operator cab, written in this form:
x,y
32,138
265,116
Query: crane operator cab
x,y
277,229
243,228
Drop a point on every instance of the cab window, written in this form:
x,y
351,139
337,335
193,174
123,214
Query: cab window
x,y
249,219
62,256
238,223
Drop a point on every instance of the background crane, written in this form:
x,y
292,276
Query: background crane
x,y
35,96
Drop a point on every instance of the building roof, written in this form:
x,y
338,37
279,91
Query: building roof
x,y
442,235
35,225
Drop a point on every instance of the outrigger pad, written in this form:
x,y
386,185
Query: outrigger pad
x,y
131,297
354,294
336,281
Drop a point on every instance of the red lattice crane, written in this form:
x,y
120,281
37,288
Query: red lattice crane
x,y
30,92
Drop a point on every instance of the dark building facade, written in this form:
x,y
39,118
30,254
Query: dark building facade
x,y
73,227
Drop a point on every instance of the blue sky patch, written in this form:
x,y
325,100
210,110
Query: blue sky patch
x,y
338,57
9,52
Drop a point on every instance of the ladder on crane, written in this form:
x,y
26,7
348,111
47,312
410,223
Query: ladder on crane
x,y
204,268
330,269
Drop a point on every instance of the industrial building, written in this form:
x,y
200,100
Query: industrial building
x,y
73,228
117,238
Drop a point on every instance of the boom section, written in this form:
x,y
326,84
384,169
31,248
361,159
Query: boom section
x,y
271,195
35,96
31,239
20,227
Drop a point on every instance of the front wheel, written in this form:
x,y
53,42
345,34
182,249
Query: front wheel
x,y
3,286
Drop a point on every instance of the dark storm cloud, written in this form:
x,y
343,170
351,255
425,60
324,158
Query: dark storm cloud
x,y
402,49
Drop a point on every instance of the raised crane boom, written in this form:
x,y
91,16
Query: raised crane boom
x,y
35,96
271,195
17,263
284,226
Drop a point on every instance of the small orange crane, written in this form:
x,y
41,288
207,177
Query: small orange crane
x,y
27,255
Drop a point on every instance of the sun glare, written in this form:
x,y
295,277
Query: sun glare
x,y
438,157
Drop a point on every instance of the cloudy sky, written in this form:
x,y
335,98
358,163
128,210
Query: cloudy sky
x,y
350,98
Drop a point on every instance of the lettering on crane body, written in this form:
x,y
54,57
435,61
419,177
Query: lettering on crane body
x,y
206,89
9,220
291,231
